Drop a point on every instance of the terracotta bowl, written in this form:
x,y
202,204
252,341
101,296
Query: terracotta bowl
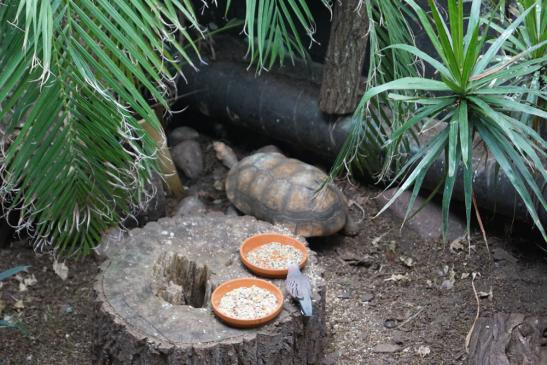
x,y
258,240
229,285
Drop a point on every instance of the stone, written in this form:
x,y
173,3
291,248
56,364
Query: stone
x,y
428,221
386,348
191,205
367,297
153,299
267,149
188,157
180,134
231,211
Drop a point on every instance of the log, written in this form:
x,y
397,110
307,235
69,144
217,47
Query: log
x,y
152,299
509,339
340,88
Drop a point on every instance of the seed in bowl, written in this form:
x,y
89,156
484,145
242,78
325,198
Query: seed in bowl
x,y
275,255
248,303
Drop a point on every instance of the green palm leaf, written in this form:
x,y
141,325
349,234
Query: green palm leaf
x,y
73,79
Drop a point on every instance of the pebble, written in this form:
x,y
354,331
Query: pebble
x,y
191,205
390,323
367,297
231,211
182,134
188,157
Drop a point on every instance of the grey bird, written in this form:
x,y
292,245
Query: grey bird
x,y
299,288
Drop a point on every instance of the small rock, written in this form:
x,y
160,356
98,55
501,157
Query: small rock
x,y
188,157
386,348
67,309
367,297
218,185
231,211
268,149
191,205
390,323
182,134
398,339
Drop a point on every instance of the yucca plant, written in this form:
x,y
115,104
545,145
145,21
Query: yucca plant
x,y
530,33
473,99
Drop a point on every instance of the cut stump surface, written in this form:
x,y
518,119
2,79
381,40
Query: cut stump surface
x,y
154,290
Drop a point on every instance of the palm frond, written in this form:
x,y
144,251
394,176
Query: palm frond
x,y
72,80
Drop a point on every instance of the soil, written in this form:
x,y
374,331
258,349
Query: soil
x,y
392,297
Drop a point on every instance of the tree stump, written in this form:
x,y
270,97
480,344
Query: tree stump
x,y
344,60
509,339
153,297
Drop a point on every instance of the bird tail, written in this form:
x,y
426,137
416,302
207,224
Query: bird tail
x,y
306,305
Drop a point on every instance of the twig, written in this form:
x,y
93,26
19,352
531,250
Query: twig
x,y
468,337
353,202
410,318
480,225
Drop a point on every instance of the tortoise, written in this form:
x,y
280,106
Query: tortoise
x,y
282,190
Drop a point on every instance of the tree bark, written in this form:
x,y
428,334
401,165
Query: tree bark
x,y
509,339
153,296
340,88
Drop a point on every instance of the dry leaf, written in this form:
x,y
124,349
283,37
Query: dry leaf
x,y
465,275
489,294
24,283
19,304
377,239
2,306
398,277
457,245
449,283
22,286
31,280
423,351
408,261
60,269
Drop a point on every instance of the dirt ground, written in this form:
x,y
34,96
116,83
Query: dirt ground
x,y
392,297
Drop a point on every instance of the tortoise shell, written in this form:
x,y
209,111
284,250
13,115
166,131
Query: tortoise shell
x,y
286,191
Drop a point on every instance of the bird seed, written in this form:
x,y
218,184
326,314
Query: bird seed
x,y
275,255
248,303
